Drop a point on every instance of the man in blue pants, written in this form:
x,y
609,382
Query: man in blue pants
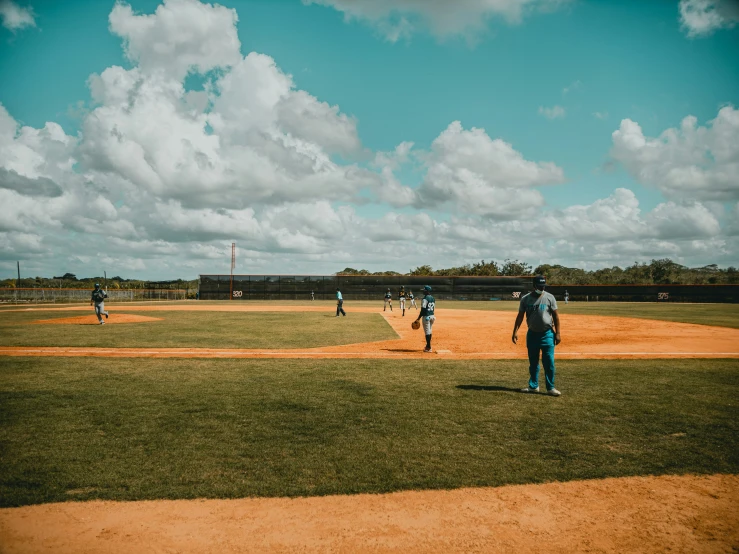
x,y
339,303
544,331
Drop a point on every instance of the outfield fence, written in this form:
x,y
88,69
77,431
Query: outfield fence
x,y
68,296
373,287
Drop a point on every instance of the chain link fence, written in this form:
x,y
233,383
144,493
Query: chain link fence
x,y
69,296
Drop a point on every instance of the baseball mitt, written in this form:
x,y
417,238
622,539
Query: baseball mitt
x,y
416,324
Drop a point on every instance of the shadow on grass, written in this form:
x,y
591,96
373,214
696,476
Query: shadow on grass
x,y
494,388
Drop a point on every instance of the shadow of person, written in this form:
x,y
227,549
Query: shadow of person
x,y
402,349
493,388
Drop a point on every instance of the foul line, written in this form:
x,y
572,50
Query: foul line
x,y
205,353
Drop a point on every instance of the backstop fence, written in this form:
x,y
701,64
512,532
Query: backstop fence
x,y
67,296
368,287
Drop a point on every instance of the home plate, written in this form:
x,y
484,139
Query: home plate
x,y
443,351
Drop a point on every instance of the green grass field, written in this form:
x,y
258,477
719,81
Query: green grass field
x,y
198,329
81,428
125,429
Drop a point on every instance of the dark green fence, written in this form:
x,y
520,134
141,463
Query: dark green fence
x,y
360,287
371,287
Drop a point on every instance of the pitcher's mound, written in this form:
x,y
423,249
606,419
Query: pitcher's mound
x,y
114,319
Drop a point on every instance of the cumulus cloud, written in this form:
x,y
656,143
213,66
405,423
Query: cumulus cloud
x,y
555,112
181,35
700,18
15,17
400,19
479,175
691,162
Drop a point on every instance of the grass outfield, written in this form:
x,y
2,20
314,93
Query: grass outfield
x,y
81,428
199,329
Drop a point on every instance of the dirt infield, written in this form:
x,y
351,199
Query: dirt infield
x,y
458,334
92,320
639,514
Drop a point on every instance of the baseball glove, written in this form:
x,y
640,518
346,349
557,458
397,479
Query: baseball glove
x,y
416,324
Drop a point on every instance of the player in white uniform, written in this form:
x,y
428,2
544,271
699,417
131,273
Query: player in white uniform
x,y
388,300
412,299
401,299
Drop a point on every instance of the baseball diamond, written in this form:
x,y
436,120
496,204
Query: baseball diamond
x,y
288,381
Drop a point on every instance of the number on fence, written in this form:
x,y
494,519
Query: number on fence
x,y
516,295
238,294
663,295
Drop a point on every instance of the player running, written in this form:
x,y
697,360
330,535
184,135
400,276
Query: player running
x,y
412,299
98,297
401,299
427,313
388,300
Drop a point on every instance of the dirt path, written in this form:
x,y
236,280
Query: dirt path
x,y
639,514
458,334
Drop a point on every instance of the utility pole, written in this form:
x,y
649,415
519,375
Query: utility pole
x,y
233,265
105,276
19,275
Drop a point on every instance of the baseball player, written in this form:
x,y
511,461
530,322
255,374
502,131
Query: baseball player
x,y
388,300
567,297
339,303
412,299
312,295
543,335
98,298
401,299
427,313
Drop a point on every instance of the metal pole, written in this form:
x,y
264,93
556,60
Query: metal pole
x,y
19,274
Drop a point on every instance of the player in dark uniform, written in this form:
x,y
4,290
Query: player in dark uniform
x,y
98,297
427,313
388,300
401,299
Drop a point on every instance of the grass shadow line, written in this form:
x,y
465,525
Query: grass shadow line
x,y
494,388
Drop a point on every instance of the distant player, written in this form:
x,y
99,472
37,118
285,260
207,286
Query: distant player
x,y
567,297
412,299
427,313
388,300
401,299
542,319
312,295
339,303
98,298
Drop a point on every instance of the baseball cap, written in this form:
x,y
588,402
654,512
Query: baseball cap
x,y
540,282
427,288
97,285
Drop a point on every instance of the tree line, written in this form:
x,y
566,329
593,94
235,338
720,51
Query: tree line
x,y
656,272
70,281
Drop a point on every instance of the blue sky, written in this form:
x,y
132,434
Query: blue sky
x,y
303,180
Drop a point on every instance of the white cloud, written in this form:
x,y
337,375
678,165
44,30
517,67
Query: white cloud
x,y
482,176
600,115
15,17
181,35
573,86
555,112
690,163
396,19
702,17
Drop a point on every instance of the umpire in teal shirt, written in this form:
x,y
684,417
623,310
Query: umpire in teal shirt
x,y
543,335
